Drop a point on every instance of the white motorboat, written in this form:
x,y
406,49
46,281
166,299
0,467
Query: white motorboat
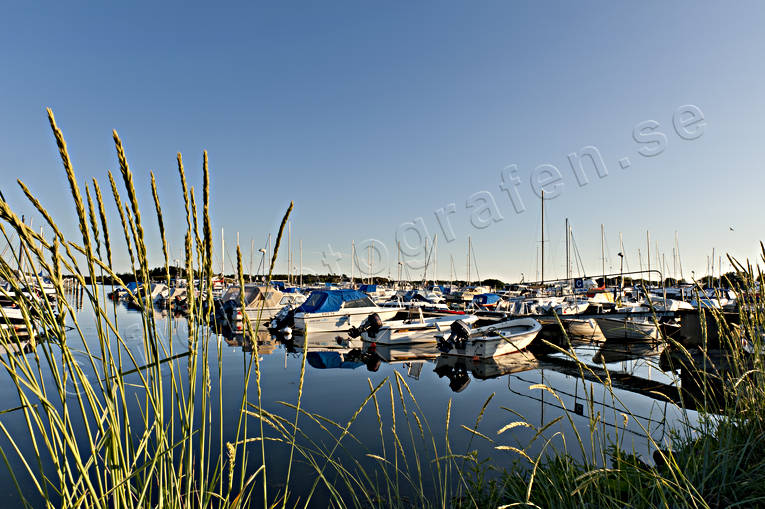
x,y
260,303
401,332
493,340
337,311
583,328
629,327
571,306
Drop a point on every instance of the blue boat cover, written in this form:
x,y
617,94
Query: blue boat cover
x,y
279,285
486,298
368,288
414,295
330,360
325,301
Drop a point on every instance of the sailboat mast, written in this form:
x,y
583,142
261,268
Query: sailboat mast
x,y
679,260
648,246
353,259
603,251
451,271
301,263
468,262
252,250
543,236
269,256
435,257
222,253
398,261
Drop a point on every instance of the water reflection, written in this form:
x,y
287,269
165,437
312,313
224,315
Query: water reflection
x,y
638,400
266,343
458,369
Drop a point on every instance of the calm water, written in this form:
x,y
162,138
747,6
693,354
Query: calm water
x,y
338,377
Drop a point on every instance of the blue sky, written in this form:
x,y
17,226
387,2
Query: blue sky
x,y
372,115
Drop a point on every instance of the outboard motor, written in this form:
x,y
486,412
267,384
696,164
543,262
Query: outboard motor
x,y
460,332
284,318
371,326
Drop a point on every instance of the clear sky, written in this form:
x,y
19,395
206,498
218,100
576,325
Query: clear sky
x,y
370,115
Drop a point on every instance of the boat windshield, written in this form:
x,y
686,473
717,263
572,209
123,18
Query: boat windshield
x,y
363,302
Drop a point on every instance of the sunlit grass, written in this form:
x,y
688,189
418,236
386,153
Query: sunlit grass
x,y
148,428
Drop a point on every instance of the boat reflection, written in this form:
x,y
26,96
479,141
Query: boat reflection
x,y
459,369
611,352
265,341
321,341
413,356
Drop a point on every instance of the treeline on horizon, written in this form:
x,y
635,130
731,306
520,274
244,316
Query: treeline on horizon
x,y
159,274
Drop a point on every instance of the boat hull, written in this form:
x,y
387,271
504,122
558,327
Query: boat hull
x,y
627,329
339,321
513,337
584,329
416,332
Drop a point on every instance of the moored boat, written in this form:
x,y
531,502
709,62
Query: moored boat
x,y
400,332
337,311
493,340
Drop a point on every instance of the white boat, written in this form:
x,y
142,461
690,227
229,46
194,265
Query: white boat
x,y
493,340
629,327
532,305
401,332
337,311
12,324
571,306
583,328
261,303
159,292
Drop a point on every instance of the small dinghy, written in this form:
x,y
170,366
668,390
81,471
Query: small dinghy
x,y
493,340
402,332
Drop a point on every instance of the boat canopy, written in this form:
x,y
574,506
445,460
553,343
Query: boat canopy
x,y
326,301
254,296
416,296
486,299
231,293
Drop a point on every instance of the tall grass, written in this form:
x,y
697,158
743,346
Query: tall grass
x,y
144,426
138,427
717,460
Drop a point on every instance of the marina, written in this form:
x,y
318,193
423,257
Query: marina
x,y
366,256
